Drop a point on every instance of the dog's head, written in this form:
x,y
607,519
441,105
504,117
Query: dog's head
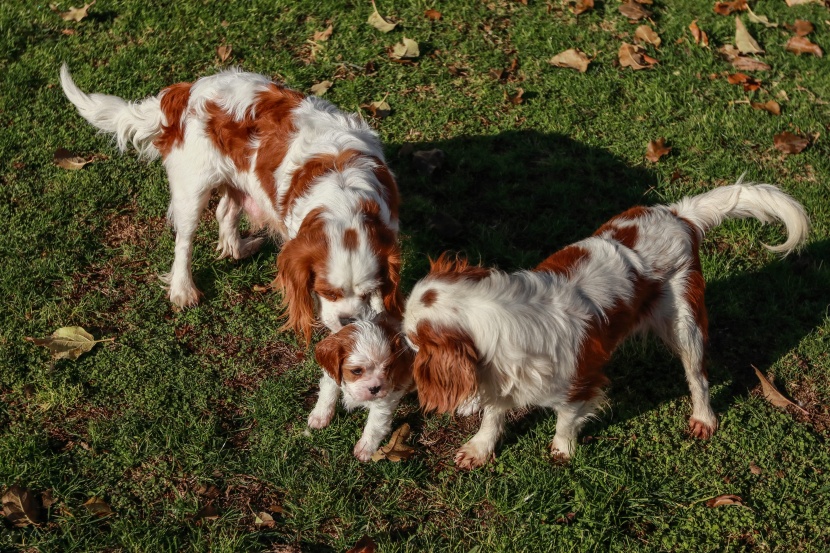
x,y
368,359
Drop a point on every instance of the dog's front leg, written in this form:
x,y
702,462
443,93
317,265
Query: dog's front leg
x,y
480,449
323,411
378,426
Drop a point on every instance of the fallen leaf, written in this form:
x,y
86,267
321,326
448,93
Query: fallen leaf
x,y
379,109
98,507
379,22
726,8
744,41
771,393
573,58
516,98
744,63
749,83
634,11
802,45
434,15
64,158
755,469
47,499
801,27
699,35
69,342
397,449
364,545
261,287
320,88
582,6
771,106
20,507
76,14
224,52
633,56
783,95
646,35
264,520
762,19
405,49
726,499
68,32
322,36
208,512
792,3
657,149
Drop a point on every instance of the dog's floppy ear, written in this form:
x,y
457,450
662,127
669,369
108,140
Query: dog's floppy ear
x,y
295,277
331,352
392,297
384,244
445,368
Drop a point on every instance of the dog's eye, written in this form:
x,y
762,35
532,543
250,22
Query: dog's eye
x,y
357,372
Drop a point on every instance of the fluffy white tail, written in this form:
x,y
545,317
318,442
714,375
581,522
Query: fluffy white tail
x,y
136,123
740,201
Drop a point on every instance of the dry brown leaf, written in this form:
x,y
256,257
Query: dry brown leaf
x,y
68,32
657,149
47,499
434,15
770,106
801,27
322,36
755,469
379,109
771,393
264,520
646,35
516,98
726,8
20,507
802,45
699,35
744,41
397,449
744,63
633,56
98,507
749,83
321,88
572,58
634,11
364,545
762,19
792,3
726,499
76,14
378,21
224,52
69,342
406,49
64,158
208,512
582,6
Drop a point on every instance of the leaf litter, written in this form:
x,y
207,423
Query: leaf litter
x,y
406,49
397,449
788,143
646,35
633,56
69,342
771,393
20,507
379,22
802,45
67,160
744,41
573,58
657,149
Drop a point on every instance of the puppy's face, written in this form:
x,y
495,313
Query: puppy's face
x,y
367,359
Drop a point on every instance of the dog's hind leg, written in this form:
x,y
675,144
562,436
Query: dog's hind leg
x,y
228,213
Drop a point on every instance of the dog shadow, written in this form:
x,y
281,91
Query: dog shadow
x,y
511,199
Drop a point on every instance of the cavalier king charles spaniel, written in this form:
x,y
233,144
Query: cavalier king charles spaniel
x,y
371,365
541,338
297,166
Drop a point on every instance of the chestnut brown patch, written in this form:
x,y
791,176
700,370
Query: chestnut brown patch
x,y
312,169
173,101
565,261
454,269
350,239
445,368
429,297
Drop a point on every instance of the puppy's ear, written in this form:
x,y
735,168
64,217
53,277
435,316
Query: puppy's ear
x,y
392,297
445,368
331,353
295,277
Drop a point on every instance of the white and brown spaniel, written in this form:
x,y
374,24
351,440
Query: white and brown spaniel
x,y
296,166
542,337
371,365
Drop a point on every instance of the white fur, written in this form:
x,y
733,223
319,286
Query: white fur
x,y
528,327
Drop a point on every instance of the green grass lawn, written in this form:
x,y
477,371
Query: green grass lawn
x,y
207,407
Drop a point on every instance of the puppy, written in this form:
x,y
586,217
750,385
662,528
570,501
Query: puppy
x,y
296,166
542,337
369,362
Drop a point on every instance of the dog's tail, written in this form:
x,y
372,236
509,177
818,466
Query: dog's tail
x,y
740,201
136,123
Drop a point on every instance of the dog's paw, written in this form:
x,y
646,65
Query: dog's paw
x,y
364,449
320,419
470,456
469,407
561,449
184,296
702,430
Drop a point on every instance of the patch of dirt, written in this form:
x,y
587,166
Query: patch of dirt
x,y
129,228
818,411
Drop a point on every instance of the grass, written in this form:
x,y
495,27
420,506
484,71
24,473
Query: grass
x,y
208,406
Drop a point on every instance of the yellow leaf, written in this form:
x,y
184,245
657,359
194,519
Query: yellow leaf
x,y
378,21
76,14
744,41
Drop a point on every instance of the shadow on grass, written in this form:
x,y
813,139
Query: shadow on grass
x,y
509,200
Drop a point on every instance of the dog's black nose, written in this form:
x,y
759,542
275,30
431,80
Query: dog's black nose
x,y
346,320
374,390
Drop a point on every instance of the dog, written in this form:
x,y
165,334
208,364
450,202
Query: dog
x,y
297,166
541,338
371,365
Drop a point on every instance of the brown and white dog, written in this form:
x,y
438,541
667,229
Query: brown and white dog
x,y
371,365
542,337
297,166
